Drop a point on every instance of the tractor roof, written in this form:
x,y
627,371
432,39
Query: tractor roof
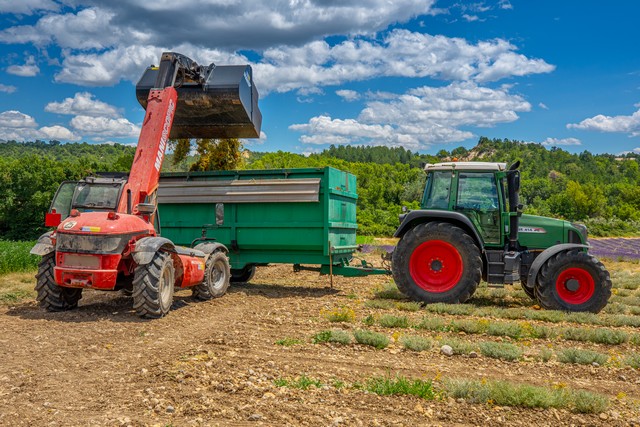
x,y
467,166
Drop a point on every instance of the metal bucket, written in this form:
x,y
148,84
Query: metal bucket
x,y
225,106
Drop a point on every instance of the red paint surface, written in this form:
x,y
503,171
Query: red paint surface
x,y
436,266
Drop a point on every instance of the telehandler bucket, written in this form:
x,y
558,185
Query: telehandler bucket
x,y
224,105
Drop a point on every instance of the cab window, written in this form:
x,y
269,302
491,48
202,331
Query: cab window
x,y
478,199
440,189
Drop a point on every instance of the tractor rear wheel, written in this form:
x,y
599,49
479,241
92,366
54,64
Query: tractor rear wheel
x,y
51,296
437,262
573,281
530,292
217,275
153,286
243,275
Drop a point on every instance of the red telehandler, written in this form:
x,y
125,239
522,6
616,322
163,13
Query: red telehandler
x,y
105,236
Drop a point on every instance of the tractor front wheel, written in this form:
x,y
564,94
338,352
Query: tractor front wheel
x,y
50,296
437,262
153,287
573,281
217,274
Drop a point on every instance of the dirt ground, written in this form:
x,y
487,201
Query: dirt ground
x,y
215,362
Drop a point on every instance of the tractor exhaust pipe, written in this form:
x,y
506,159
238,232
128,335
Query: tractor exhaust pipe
x,y
513,182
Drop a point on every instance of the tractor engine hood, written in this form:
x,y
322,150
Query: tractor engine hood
x,y
538,232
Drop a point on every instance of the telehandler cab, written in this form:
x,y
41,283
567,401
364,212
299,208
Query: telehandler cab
x,y
105,236
471,227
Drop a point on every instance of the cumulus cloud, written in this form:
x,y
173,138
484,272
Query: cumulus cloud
x,y
7,88
348,95
18,126
85,104
29,69
615,124
561,141
27,7
105,127
418,118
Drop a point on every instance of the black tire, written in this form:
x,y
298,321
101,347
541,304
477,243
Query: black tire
x,y
243,275
50,296
530,292
453,257
217,276
153,285
587,273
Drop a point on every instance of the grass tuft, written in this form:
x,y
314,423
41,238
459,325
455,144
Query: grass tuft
x,y
397,386
340,314
334,336
458,346
389,321
288,342
582,357
379,303
371,338
502,351
416,343
390,291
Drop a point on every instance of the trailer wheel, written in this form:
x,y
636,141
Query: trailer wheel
x,y
437,262
50,296
573,281
153,287
217,275
243,275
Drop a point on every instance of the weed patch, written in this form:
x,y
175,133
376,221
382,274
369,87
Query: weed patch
x,y
416,343
458,346
582,357
397,386
288,342
340,314
389,321
371,338
502,351
390,291
334,336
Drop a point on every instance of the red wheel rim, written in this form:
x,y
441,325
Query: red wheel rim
x,y
575,285
436,266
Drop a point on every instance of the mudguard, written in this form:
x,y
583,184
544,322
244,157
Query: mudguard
x,y
544,257
148,246
211,247
44,245
420,216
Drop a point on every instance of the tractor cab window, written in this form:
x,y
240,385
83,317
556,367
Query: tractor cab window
x,y
478,199
62,200
94,196
439,187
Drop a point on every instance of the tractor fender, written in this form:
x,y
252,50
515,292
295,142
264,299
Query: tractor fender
x,y
544,257
44,245
211,247
147,247
416,217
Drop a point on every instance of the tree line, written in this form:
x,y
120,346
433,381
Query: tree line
x,y
600,190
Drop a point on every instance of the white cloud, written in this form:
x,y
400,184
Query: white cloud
x,y
419,118
16,119
348,95
84,104
58,132
105,127
563,141
18,126
505,4
618,124
7,88
27,7
470,18
29,69
543,106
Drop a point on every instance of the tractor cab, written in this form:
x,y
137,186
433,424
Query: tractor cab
x,y
87,195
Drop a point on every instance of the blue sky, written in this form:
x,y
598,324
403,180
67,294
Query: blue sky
x,y
423,74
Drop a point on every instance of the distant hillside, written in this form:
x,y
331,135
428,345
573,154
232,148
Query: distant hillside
x,y
601,190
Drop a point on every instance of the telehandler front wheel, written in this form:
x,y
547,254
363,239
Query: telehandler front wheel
x,y
217,275
50,296
437,262
153,287
573,281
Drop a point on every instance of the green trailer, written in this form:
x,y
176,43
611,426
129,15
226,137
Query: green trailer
x,y
305,217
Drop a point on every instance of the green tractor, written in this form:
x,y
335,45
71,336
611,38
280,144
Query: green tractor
x,y
471,227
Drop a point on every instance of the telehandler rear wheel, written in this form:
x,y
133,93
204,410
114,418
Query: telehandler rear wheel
x,y
51,296
153,287
573,281
437,262
217,275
